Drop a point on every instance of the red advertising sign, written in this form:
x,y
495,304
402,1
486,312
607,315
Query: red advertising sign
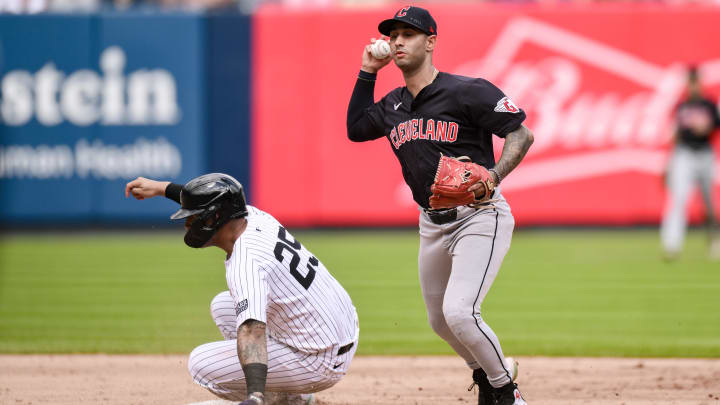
x,y
599,85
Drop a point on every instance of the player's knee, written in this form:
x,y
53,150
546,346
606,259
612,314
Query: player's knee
x,y
195,365
222,310
222,306
458,316
222,302
438,324
436,319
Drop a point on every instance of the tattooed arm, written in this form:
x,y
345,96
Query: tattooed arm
x,y
252,352
516,146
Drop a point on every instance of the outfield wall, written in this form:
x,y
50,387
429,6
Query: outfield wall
x,y
599,85
89,102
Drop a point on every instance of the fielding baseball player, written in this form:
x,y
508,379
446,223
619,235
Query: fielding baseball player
x,y
290,328
692,162
440,128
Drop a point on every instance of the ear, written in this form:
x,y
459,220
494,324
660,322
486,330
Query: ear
x,y
430,43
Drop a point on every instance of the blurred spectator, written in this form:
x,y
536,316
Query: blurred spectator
x,y
692,162
246,6
22,6
38,6
70,6
308,4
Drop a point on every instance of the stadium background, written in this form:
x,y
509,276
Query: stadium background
x,y
102,98
90,100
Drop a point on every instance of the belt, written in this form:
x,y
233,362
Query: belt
x,y
440,217
345,348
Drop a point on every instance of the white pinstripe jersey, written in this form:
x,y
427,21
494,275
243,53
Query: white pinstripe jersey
x,y
274,279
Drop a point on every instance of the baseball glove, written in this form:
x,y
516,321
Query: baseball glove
x,y
453,178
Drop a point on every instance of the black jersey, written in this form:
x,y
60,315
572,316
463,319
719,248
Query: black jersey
x,y
697,119
454,116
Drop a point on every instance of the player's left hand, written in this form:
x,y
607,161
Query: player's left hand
x,y
460,182
142,188
479,190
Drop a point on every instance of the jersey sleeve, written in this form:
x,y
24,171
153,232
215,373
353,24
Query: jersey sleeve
x,y
492,110
365,117
248,286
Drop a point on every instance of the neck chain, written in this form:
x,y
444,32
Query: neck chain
x,y
435,73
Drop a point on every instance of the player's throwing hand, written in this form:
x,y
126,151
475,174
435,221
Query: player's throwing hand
x,y
370,63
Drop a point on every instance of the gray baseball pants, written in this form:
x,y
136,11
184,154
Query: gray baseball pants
x,y
687,168
458,262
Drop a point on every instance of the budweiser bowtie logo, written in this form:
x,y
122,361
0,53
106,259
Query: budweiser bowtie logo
x,y
594,109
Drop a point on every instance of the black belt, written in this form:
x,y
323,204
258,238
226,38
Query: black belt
x,y
345,348
440,217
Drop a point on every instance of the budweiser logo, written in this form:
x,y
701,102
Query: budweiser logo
x,y
594,109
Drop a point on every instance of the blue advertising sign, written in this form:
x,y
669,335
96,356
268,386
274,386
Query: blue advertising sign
x,y
88,103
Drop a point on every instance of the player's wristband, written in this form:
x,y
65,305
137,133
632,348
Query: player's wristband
x,y
368,77
257,398
255,376
497,176
172,191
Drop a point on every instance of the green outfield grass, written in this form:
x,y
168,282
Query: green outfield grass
x,y
576,293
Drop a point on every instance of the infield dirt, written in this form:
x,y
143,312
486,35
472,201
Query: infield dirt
x,y
161,380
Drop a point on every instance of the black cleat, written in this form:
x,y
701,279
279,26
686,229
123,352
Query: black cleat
x,y
508,395
480,379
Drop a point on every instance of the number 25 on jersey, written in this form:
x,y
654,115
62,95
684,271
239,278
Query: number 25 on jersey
x,y
293,247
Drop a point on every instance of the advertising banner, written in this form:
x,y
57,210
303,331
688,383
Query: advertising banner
x,y
599,85
91,102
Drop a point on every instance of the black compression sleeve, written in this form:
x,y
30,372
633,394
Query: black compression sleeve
x,y
359,126
172,191
368,77
255,377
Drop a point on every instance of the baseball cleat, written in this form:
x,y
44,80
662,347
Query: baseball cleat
x,y
508,395
485,394
485,390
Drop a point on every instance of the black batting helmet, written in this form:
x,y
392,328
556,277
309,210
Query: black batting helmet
x,y
214,199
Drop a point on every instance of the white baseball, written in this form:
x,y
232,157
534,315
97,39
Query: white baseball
x,y
380,49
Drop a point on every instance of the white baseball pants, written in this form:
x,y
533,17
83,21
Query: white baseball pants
x,y
291,372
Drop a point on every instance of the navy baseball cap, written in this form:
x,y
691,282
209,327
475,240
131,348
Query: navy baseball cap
x,y
414,16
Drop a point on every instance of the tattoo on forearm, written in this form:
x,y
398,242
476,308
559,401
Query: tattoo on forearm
x,y
252,343
516,146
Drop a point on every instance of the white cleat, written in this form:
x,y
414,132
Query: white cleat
x,y
519,400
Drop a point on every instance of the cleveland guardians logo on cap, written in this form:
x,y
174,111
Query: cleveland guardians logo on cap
x,y
416,17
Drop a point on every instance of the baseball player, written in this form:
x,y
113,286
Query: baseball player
x,y
692,162
289,327
437,116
